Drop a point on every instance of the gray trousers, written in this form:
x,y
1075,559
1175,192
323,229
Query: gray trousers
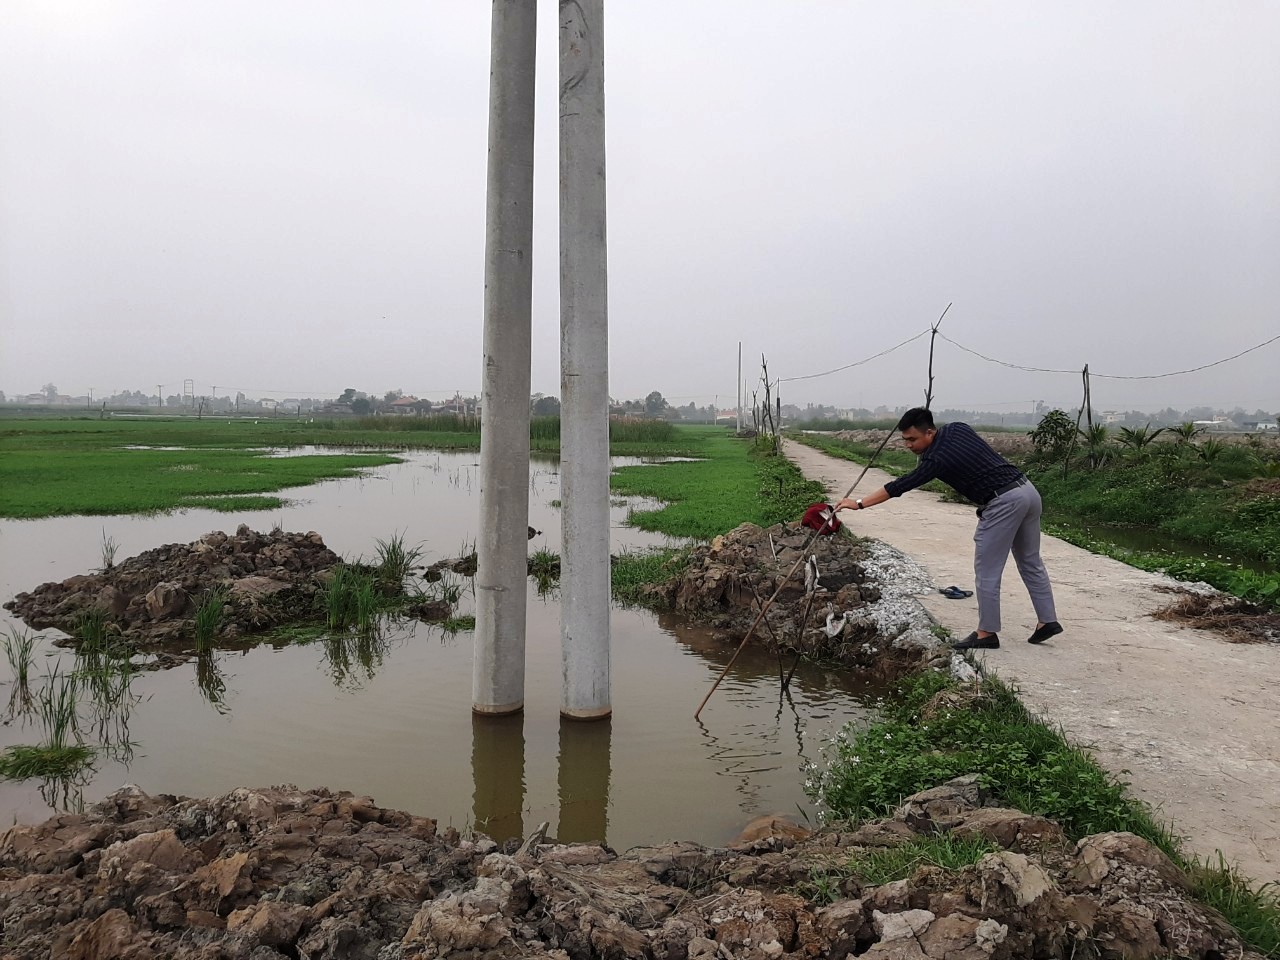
x,y
1010,522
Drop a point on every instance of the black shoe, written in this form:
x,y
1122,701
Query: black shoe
x,y
1041,634
975,642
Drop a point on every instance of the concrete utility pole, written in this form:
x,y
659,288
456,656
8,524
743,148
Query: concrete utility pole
x,y
584,366
739,422
497,685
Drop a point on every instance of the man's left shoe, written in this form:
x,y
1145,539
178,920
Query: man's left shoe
x,y
1041,634
975,642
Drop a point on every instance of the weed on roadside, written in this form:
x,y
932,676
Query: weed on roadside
x,y
872,867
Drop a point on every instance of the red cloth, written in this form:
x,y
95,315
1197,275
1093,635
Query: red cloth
x,y
814,521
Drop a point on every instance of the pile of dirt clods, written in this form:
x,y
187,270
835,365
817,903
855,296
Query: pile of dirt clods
x,y
828,608
276,873
268,578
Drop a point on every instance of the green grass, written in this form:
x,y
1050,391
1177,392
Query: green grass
x,y
46,482
55,467
44,762
1253,910
1255,586
458,624
394,561
208,619
19,646
876,866
633,570
1025,764
1190,501
731,484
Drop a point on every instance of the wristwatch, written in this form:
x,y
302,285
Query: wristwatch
x,y
859,503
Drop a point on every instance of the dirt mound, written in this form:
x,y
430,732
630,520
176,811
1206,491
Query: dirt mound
x,y
843,616
262,874
1237,620
268,578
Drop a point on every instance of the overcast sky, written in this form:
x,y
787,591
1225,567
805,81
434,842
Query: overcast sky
x,y
287,198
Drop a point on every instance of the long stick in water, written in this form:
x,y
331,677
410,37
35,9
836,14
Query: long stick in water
x,y
814,536
768,603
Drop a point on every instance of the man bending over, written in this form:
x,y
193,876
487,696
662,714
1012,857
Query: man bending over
x,y
1008,517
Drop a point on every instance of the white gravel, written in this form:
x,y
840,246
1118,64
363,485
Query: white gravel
x,y
898,614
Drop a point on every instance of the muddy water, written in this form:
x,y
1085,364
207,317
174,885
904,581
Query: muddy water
x,y
392,718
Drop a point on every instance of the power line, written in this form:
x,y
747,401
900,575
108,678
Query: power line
x,y
858,363
1109,376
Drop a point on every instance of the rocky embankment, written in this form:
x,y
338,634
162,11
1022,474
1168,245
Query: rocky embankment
x,y
269,579
279,872
849,600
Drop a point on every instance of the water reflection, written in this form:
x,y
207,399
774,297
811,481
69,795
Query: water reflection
x,y
210,682
497,772
584,771
407,692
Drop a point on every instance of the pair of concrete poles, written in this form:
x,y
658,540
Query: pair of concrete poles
x,y
501,546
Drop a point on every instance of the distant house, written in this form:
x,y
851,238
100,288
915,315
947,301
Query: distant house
x,y
405,405
1217,423
1252,425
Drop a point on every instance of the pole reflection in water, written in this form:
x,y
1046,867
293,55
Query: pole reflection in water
x,y
584,780
497,770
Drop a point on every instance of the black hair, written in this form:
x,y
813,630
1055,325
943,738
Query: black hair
x,y
919,417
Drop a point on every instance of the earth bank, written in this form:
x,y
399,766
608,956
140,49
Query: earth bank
x,y
280,872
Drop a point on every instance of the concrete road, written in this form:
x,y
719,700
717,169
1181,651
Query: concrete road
x,y
1191,721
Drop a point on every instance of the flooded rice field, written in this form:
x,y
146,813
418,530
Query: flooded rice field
x,y
391,718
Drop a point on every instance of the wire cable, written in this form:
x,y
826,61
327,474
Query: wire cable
x,y
858,363
1110,376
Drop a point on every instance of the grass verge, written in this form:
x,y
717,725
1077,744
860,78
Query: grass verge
x,y
732,483
920,741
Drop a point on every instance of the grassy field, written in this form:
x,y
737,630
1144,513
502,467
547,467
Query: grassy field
x,y
51,467
733,483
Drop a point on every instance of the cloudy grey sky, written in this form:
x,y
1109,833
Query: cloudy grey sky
x,y
288,198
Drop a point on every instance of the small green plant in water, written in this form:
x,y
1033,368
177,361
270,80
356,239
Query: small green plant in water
x,y
19,646
366,606
58,706
109,547
44,762
339,598
394,561
544,564
458,624
209,617
91,630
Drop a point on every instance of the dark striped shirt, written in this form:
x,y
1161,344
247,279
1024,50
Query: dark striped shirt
x,y
961,459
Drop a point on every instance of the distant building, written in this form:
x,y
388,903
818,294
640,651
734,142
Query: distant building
x,y
405,405
1253,425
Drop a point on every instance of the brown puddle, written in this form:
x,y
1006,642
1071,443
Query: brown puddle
x,y
392,719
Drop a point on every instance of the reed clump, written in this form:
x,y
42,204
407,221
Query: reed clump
x,y
209,618
19,650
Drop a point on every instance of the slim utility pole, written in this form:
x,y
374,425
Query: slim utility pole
x,y
739,422
497,683
160,395
584,366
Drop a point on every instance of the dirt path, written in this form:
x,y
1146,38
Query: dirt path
x,y
1193,722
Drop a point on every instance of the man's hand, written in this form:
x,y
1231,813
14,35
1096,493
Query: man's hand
x,y
846,504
